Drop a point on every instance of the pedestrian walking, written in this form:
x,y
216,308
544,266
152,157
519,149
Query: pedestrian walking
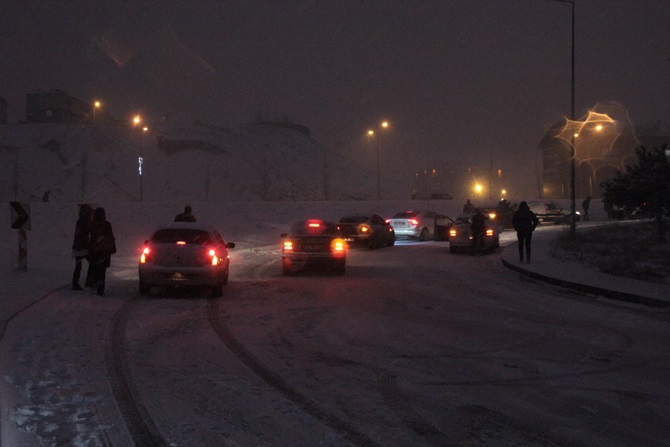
x,y
101,249
585,205
186,216
81,243
478,229
524,221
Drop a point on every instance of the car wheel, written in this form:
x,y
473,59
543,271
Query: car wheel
x,y
391,243
225,277
424,235
145,289
285,266
453,249
340,267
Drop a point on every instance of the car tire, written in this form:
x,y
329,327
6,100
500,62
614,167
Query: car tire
x,y
391,243
340,267
145,289
453,249
285,267
424,235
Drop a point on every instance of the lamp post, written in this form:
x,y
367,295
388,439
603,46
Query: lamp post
x,y
96,106
384,125
573,209
137,119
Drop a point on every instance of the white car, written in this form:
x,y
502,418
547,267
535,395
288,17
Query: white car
x,y
185,254
460,234
421,225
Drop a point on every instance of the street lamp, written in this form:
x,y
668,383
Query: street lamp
x,y
572,117
137,119
384,125
96,106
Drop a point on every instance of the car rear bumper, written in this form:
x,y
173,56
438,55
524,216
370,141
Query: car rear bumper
x,y
158,276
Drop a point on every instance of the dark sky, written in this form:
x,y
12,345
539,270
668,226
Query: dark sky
x,y
464,83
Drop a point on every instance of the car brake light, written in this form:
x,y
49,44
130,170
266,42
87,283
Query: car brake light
x,y
288,246
212,254
365,229
338,246
489,232
492,215
181,242
145,255
452,233
414,222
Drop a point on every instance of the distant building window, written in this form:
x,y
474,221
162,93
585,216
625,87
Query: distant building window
x,y
49,113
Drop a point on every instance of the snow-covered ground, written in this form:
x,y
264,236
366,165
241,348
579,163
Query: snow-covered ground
x,y
413,346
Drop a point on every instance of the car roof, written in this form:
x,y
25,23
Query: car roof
x,y
203,226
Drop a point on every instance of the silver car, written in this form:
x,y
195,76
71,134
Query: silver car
x,y
422,225
185,254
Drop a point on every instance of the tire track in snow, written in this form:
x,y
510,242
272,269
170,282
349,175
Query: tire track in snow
x,y
141,427
276,382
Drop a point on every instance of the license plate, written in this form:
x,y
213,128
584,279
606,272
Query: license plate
x,y
313,247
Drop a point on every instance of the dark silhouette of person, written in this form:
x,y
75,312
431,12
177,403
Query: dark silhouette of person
x,y
101,249
478,228
524,222
468,208
585,205
186,216
81,243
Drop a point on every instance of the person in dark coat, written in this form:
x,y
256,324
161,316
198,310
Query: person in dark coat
x,y
101,249
81,242
524,221
478,228
585,205
186,216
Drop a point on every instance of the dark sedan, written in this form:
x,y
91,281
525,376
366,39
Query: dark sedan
x,y
370,231
314,243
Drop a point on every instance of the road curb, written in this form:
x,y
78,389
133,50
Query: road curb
x,y
612,294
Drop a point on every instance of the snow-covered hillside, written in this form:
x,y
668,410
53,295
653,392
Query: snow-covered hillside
x,y
195,162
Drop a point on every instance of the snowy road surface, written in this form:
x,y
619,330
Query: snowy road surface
x,y
412,347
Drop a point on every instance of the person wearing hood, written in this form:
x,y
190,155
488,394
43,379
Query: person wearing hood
x,y
101,249
80,244
524,222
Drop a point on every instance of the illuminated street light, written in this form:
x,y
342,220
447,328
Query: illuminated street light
x,y
372,133
96,106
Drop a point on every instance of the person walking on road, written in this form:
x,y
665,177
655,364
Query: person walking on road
x,y
101,249
478,229
585,205
524,221
80,244
186,216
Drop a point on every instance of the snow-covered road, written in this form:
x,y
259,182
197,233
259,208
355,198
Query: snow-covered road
x,y
413,346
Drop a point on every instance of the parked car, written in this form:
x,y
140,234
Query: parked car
x,y
314,243
460,234
185,254
369,231
421,225
549,212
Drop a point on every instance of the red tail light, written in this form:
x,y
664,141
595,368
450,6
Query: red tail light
x,y
288,246
452,233
414,222
338,246
145,255
213,256
489,232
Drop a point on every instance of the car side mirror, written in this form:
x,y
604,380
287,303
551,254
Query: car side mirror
x,y
230,245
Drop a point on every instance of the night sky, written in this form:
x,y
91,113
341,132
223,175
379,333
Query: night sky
x,y
464,83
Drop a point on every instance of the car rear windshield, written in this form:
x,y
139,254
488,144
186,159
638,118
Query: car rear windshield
x,y
171,236
404,215
354,219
